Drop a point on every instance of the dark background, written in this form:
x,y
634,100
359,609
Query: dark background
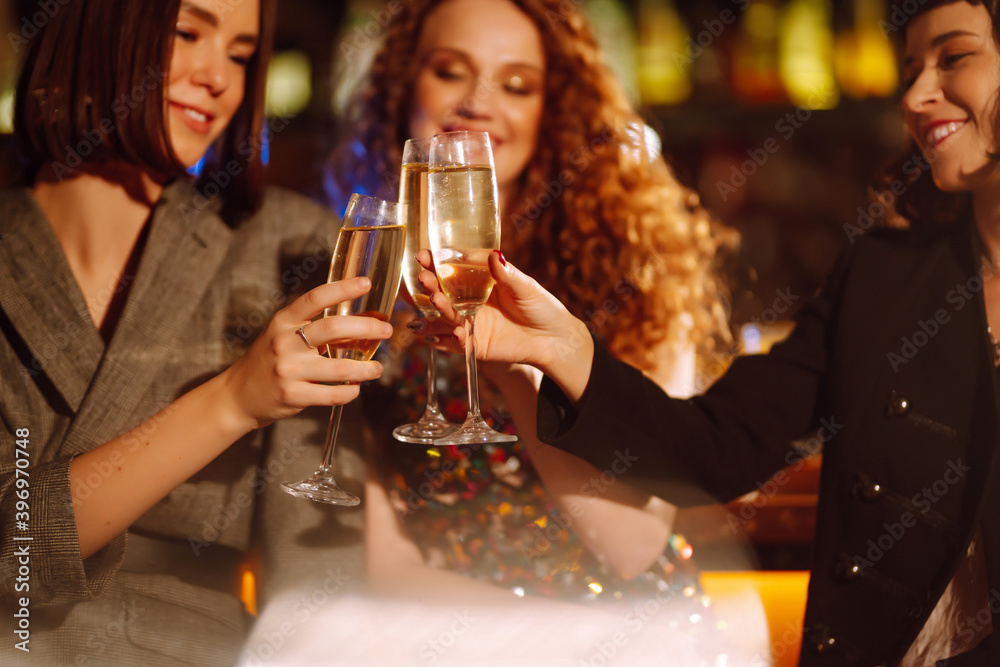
x,y
791,210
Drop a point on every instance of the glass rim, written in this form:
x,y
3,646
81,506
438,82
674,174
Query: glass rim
x,y
419,145
368,211
457,132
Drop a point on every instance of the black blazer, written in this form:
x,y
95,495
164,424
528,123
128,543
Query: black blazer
x,y
892,364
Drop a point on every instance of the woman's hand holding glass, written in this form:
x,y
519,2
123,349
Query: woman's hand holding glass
x,y
280,374
463,227
369,247
521,323
413,207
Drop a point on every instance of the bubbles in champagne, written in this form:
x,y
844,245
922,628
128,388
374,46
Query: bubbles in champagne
x,y
375,252
413,201
465,228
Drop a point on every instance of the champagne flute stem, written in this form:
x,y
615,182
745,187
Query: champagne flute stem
x,y
470,366
432,393
331,438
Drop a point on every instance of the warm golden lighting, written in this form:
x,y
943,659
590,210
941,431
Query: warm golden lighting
x,y
7,112
665,54
594,586
806,60
289,84
864,60
248,591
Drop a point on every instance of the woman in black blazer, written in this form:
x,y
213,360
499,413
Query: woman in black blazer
x,y
892,366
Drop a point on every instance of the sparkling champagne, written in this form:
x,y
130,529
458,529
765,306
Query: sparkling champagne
x,y
413,200
376,252
464,211
465,276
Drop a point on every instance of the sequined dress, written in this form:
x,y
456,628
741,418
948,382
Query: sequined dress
x,y
482,510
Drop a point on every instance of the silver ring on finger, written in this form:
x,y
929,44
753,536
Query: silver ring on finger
x,y
302,334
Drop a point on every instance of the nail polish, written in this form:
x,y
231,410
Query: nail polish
x,y
503,260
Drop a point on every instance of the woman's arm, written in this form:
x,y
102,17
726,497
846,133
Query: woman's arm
x,y
626,529
396,568
716,446
277,377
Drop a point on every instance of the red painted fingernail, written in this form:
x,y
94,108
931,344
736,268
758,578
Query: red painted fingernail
x,y
503,260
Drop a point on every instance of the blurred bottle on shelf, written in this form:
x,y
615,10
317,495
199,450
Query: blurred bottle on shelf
x,y
865,63
806,54
614,31
664,54
756,78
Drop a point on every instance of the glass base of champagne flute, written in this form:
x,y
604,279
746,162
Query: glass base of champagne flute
x,y
475,431
321,486
432,425
322,489
427,430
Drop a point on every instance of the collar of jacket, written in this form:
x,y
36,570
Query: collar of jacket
x,y
47,320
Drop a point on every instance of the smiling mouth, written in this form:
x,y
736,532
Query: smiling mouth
x,y
939,133
198,120
197,115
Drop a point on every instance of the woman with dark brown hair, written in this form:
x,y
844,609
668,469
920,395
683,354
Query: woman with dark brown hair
x,y
135,345
595,215
896,359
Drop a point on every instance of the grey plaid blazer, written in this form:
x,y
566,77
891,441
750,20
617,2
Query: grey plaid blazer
x,y
201,294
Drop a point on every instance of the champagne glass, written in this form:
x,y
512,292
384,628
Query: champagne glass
x,y
464,225
413,208
370,244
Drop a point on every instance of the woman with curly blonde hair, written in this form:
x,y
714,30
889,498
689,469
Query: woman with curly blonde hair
x,y
593,214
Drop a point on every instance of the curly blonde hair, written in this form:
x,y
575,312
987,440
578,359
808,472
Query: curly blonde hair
x,y
601,221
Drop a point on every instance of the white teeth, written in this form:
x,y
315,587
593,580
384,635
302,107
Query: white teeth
x,y
200,117
942,132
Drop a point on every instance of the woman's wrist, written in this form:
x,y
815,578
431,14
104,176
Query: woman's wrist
x,y
569,358
233,418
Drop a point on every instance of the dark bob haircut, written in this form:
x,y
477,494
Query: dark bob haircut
x,y
923,206
92,88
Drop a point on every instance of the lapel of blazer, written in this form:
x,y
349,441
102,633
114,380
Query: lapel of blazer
x,y
185,248
983,444
42,301
977,370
